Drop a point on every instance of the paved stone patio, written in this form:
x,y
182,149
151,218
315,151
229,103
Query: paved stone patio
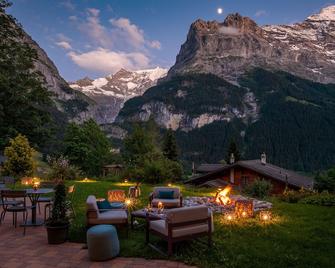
x,y
33,251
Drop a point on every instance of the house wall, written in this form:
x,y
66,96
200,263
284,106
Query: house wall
x,y
244,177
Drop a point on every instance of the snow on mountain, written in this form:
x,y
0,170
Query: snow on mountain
x,y
113,91
327,13
315,35
229,48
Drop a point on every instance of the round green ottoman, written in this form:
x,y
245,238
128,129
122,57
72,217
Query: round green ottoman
x,y
102,242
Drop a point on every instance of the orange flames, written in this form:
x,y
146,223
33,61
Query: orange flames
x,y
222,196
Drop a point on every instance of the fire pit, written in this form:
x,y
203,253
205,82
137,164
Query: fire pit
x,y
224,202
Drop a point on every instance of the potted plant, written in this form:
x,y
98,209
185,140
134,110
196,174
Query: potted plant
x,y
58,223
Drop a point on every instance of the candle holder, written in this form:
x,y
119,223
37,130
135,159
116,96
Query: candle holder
x,y
244,208
160,207
148,208
36,185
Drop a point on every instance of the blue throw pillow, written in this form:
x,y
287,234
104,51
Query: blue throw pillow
x,y
165,194
104,204
117,205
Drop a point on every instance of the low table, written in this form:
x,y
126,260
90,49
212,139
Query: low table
x,y
142,214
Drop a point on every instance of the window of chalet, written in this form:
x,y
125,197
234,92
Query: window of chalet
x,y
244,180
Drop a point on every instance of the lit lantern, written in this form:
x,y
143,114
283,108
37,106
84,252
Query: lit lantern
x,y
26,181
125,181
36,184
160,207
169,184
128,202
244,208
148,208
229,216
265,215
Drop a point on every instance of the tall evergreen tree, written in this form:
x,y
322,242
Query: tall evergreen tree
x,y
170,149
23,98
232,149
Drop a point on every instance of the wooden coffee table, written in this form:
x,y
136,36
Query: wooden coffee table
x,y
142,214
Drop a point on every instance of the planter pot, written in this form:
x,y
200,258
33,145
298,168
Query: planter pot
x,y
57,234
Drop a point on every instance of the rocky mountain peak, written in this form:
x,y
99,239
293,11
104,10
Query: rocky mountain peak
x,y
228,49
204,26
243,24
121,73
112,91
326,14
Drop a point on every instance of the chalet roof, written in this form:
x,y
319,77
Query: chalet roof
x,y
215,183
206,168
268,170
113,166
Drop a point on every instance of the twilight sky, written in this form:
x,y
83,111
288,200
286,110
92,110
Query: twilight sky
x,y
98,37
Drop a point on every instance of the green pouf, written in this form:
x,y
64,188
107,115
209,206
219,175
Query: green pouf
x,y
102,242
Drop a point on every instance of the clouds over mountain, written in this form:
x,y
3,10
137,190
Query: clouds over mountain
x,y
104,60
109,45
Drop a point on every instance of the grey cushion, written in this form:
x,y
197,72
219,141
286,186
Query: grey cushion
x,y
110,217
166,202
161,227
184,215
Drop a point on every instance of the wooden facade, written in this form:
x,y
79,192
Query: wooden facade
x,y
112,170
243,173
242,177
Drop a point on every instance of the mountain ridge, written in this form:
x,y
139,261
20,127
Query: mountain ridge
x,y
268,88
112,91
229,48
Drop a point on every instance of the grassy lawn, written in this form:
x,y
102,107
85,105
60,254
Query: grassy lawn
x,y
300,235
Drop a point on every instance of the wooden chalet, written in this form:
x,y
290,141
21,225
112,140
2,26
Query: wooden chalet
x,y
242,173
115,169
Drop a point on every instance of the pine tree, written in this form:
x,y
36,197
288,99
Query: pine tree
x,y
170,149
232,149
19,156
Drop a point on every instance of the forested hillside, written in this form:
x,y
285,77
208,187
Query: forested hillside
x,y
289,118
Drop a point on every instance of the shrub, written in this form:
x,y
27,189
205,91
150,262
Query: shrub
x,y
321,199
58,214
325,181
259,188
19,156
292,196
153,172
61,169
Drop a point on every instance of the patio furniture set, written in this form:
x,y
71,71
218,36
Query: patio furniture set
x,y
15,201
173,223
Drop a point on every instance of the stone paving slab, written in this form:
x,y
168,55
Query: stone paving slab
x,y
33,251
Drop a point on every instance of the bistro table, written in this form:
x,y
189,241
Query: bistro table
x,y
34,195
